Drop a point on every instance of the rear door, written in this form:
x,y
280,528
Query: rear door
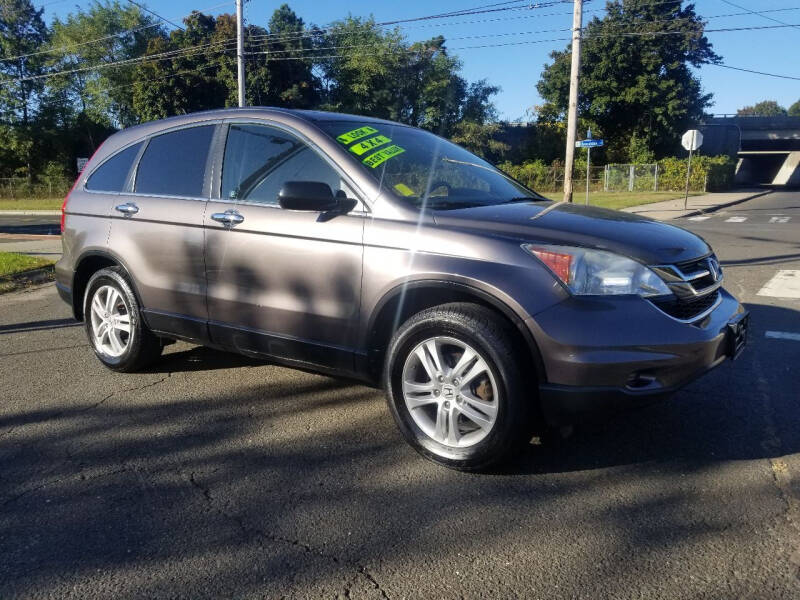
x,y
157,229
285,283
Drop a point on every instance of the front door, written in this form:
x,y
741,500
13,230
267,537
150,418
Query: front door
x,y
280,282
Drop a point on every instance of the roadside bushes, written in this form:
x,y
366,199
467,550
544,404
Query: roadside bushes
x,y
710,173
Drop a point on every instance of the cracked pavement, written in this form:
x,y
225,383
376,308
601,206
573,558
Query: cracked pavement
x,y
214,475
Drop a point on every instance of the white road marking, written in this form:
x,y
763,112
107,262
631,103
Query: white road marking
x,y
782,335
779,219
736,220
699,218
785,284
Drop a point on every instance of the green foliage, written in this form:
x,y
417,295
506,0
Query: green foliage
x,y
534,174
638,86
765,108
711,173
49,119
480,139
794,109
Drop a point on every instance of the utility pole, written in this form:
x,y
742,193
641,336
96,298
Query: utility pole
x,y
572,112
240,50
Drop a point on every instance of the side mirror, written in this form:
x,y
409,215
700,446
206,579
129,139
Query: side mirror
x,y
313,196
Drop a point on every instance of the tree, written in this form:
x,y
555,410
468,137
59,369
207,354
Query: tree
x,y
794,109
636,86
22,35
765,108
119,33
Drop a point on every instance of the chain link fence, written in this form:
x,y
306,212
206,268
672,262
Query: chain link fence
x,y
643,178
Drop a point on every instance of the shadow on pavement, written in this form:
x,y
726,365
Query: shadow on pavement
x,y
303,486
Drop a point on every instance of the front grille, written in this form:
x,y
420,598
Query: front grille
x,y
696,267
687,310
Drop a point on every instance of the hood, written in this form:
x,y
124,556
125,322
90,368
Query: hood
x,y
651,242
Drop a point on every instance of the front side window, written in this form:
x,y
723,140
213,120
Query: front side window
x,y
174,163
259,159
424,169
113,173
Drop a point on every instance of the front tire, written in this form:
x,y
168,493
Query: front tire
x,y
114,324
455,386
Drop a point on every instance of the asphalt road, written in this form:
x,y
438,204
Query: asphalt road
x,y
30,224
217,476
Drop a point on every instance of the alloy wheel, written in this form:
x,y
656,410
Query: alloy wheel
x,y
111,321
450,391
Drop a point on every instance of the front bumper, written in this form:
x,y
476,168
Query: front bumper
x,y
606,354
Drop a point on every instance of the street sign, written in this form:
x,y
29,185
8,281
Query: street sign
x,y
588,143
692,140
81,162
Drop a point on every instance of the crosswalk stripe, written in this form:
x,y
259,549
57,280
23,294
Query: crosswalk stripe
x,y
699,218
779,219
736,219
784,284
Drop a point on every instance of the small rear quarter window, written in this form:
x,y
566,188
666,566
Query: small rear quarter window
x,y
113,173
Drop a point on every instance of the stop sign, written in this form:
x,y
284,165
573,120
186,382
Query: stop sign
x,y
692,139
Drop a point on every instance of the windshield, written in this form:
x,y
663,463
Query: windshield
x,y
424,169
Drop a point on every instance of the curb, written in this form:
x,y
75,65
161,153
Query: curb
x,y
701,211
30,213
16,281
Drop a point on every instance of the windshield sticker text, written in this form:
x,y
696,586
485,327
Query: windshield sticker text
x,y
369,144
356,134
381,156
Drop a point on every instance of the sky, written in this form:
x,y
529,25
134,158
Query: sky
x,y
516,68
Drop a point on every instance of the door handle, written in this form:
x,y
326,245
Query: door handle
x,y
228,218
127,209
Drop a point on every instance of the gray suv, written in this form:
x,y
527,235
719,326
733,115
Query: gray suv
x,y
371,249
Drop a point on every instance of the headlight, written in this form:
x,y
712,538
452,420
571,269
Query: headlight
x,y
595,272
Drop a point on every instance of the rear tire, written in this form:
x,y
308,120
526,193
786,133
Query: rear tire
x,y
114,325
456,388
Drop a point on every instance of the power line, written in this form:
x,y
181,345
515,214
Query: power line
x,y
756,13
756,72
102,39
154,13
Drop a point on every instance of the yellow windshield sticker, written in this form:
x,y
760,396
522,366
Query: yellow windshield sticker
x,y
381,156
356,134
403,189
369,144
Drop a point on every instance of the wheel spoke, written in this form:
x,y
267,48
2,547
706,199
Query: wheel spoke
x,y
116,343
433,350
97,306
122,327
412,387
476,417
427,364
442,417
416,401
453,435
463,362
111,299
478,368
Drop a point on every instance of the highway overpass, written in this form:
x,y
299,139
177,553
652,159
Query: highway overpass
x,y
768,148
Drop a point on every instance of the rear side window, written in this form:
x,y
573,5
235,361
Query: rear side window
x,y
259,159
174,164
112,174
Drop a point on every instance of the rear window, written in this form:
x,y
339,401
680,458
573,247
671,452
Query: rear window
x,y
113,173
174,164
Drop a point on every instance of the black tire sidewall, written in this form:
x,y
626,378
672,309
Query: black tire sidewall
x,y
506,374
112,277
